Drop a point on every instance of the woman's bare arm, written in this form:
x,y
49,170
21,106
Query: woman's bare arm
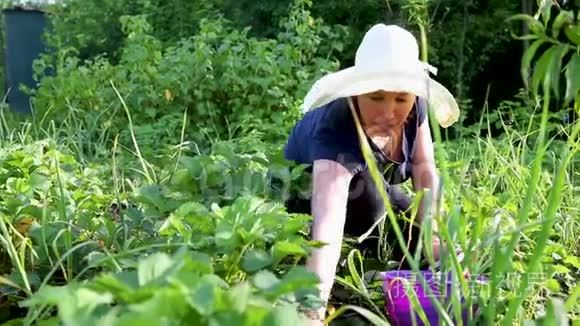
x,y
424,173
330,184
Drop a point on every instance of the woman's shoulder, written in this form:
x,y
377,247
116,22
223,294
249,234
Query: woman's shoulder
x,y
330,114
328,118
326,132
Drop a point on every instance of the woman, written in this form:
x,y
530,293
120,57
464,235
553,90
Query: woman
x,y
386,93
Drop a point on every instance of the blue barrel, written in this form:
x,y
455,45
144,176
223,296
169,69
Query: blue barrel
x,y
24,29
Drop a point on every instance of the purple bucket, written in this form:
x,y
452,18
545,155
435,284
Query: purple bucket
x,y
398,304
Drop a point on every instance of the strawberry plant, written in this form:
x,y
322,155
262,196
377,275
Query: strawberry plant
x,y
178,289
62,224
248,236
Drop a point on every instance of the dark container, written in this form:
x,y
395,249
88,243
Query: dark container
x,y
24,29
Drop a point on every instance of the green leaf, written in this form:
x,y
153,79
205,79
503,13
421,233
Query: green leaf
x,y
137,319
151,195
197,216
124,286
49,295
370,316
285,315
541,69
227,317
298,278
255,315
265,280
191,209
556,67
226,238
255,260
199,262
89,298
54,321
573,33
188,212
215,280
18,185
39,182
84,305
573,260
124,281
110,318
356,273
564,17
239,296
535,26
561,269
17,322
519,266
298,172
74,304
166,303
545,6
8,282
285,248
573,298
203,298
174,225
153,267
553,285
572,77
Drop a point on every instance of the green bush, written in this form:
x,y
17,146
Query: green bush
x,y
467,39
54,203
226,81
93,28
63,222
176,290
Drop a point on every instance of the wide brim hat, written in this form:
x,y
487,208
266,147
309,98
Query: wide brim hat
x,y
387,59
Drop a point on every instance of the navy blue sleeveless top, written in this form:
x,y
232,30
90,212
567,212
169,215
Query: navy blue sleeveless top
x,y
329,132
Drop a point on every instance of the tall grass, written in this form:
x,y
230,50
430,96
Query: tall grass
x,y
486,189
488,173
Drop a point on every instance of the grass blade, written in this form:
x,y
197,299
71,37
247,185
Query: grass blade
x,y
554,200
370,316
502,260
132,131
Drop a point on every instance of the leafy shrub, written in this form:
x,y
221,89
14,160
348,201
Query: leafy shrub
x,y
54,204
224,173
93,28
248,236
176,290
63,223
227,82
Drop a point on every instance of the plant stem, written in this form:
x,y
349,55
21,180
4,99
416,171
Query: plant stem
x,y
141,159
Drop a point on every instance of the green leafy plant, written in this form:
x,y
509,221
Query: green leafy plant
x,y
148,185
215,76
179,290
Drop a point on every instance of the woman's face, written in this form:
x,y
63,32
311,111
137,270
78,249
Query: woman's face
x,y
385,110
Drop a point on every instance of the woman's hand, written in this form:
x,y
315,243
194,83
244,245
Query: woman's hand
x,y
436,248
439,250
312,322
314,317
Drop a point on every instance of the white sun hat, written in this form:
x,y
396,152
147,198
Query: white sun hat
x,y
387,59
